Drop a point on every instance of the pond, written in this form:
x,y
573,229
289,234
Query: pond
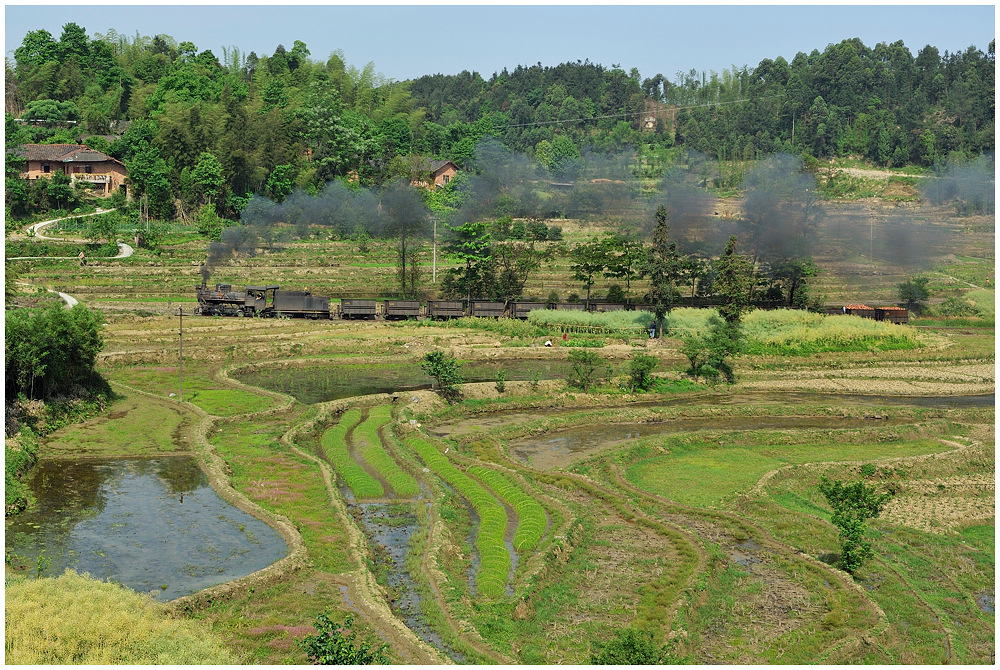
x,y
154,525
325,382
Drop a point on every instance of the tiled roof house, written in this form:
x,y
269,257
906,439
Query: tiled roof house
x,y
79,162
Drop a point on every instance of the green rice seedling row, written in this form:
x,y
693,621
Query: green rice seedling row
x,y
530,513
335,449
493,554
376,456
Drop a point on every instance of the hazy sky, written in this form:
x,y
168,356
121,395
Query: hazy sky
x,y
406,41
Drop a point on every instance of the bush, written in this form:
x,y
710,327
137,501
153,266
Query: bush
x,y
584,364
640,370
630,647
444,370
335,645
51,351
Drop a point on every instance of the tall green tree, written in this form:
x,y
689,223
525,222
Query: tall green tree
x,y
470,244
207,175
625,260
587,260
733,283
664,265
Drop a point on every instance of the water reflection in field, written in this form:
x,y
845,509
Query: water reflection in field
x,y
154,525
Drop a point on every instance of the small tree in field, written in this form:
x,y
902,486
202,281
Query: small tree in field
x,y
640,371
334,645
444,370
914,294
584,364
853,504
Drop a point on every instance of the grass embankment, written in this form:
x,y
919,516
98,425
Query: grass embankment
x,y
19,455
75,620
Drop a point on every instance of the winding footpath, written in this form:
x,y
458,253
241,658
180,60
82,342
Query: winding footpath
x,y
35,229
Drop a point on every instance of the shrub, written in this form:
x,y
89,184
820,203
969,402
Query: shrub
x,y
501,381
335,645
583,370
640,371
853,504
630,647
444,370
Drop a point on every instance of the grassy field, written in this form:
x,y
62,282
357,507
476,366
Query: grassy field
x,y
691,512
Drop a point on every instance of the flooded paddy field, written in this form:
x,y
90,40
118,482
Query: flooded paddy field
x,y
153,525
316,383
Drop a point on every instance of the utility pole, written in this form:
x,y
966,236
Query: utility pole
x,y
434,262
180,349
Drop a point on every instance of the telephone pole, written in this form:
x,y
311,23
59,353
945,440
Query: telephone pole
x,y
180,351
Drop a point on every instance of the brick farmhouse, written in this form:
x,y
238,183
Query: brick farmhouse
x,y
79,162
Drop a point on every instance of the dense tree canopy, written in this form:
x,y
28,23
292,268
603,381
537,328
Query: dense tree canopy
x,y
195,127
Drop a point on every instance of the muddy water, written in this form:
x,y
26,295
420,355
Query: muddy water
x,y
322,383
154,525
390,528
558,448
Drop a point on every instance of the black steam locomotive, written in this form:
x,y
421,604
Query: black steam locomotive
x,y
263,301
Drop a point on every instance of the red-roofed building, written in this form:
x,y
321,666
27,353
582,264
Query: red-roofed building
x,y
79,162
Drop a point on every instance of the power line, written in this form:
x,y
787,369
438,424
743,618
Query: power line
x,y
617,116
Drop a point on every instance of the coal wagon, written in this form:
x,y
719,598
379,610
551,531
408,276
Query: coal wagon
x,y
357,308
397,310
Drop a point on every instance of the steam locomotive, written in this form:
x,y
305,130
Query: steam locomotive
x,y
265,301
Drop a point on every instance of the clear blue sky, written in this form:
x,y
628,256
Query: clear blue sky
x,y
407,41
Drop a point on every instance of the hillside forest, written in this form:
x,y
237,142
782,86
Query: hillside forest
x,y
194,127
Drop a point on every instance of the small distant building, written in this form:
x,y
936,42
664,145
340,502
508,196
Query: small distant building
x,y
81,163
432,173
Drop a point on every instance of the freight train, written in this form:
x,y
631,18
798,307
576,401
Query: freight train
x,y
270,301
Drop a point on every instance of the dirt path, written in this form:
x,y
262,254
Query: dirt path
x,y
876,174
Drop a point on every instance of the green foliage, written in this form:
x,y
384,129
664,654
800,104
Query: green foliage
x,y
11,275
913,293
494,564
853,504
51,351
501,381
334,444
531,519
631,647
445,371
376,456
20,454
583,368
709,352
640,370
335,644
734,283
